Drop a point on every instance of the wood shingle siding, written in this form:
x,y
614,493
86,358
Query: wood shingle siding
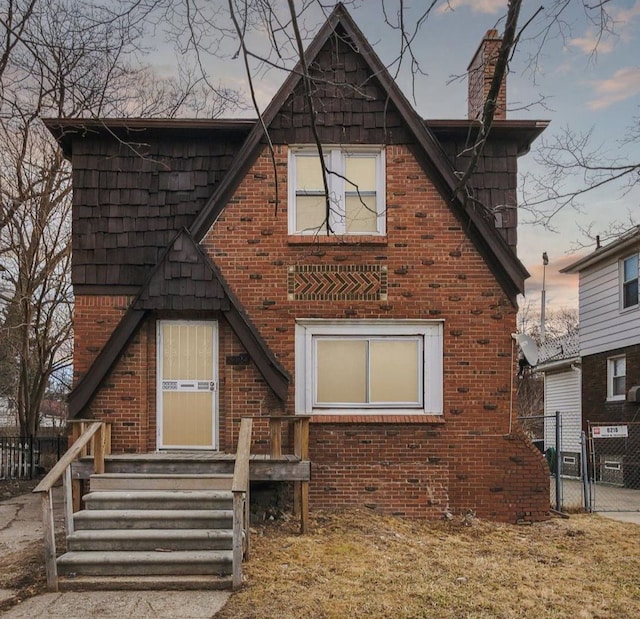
x,y
350,105
130,199
184,280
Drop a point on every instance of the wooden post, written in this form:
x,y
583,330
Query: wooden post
x,y
247,524
99,448
237,538
49,541
301,488
76,494
275,435
304,507
304,485
67,489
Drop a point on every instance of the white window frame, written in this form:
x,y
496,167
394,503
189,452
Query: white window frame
x,y
430,332
335,158
624,282
611,364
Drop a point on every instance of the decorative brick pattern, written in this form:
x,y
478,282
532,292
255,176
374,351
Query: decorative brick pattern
x,y
320,282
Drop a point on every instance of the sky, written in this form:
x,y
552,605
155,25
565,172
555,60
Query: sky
x,y
584,83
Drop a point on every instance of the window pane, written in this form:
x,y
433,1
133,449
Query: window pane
x,y
360,173
308,173
619,366
361,214
394,371
341,367
618,385
630,294
310,213
631,268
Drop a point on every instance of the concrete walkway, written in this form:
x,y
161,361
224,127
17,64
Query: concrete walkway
x,y
20,525
121,605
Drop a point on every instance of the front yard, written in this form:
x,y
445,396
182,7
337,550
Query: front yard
x,y
359,564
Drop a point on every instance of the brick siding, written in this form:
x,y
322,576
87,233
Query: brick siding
x,y
595,406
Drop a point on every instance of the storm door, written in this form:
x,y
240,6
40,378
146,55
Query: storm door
x,y
187,384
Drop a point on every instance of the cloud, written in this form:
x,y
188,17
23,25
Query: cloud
x,y
562,288
592,43
624,84
621,28
625,15
477,6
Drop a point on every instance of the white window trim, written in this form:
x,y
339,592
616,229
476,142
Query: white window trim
x,y
610,368
431,332
622,283
334,156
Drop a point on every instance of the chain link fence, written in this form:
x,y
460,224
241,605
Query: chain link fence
x,y
594,471
614,464
564,446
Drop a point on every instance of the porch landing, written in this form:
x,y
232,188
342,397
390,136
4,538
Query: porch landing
x,y
262,467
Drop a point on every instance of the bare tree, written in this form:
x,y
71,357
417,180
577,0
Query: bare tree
x,y
62,58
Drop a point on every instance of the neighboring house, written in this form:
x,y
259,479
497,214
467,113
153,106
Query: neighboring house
x,y
610,342
207,290
560,365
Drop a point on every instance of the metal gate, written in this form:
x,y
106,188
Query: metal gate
x,y
564,446
614,463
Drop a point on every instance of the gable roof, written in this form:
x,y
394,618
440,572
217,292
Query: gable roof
x,y
184,279
182,294
626,241
506,267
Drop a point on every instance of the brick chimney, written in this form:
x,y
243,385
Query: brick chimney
x,y
480,72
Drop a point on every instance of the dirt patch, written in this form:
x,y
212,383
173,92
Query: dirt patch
x,y
15,487
360,564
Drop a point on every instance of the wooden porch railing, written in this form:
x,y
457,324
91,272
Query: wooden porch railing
x,y
240,489
300,428
89,438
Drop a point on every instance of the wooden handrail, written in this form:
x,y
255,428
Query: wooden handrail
x,y
71,454
241,468
98,432
240,489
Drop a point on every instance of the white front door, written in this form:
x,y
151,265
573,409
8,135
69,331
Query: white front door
x,y
187,384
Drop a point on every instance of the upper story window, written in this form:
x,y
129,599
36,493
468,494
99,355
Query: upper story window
x,y
616,378
629,276
355,181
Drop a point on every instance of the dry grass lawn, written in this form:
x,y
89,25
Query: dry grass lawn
x,y
360,564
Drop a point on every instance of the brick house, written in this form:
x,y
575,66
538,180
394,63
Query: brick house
x,y
208,288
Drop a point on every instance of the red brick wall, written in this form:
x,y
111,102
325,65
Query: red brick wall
x,y
595,406
434,273
470,458
128,393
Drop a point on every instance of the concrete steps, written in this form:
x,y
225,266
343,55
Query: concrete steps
x,y
156,481
151,528
145,563
159,499
150,539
